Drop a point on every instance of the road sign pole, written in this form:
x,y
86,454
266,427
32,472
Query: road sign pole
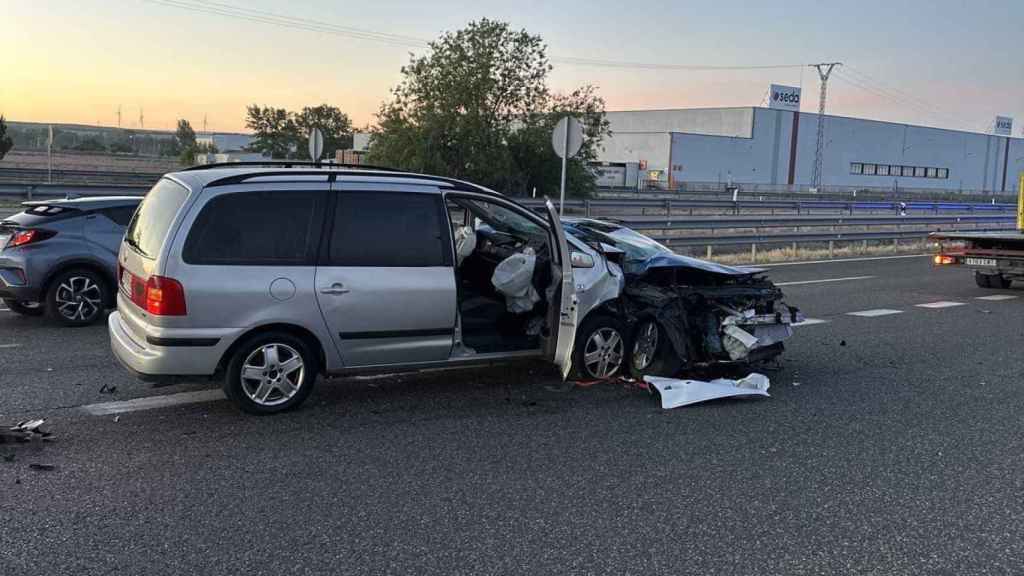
x,y
565,154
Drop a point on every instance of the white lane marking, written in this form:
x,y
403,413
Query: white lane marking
x,y
823,281
106,408
997,297
840,261
810,322
874,313
9,345
940,304
4,310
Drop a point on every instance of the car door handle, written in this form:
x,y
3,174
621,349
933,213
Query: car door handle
x,y
335,289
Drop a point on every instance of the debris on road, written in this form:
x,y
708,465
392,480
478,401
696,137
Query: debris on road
x,y
108,389
42,467
25,432
675,393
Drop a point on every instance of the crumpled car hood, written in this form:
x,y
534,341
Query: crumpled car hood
x,y
664,261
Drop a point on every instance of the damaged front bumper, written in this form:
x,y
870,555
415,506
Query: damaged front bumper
x,y
747,332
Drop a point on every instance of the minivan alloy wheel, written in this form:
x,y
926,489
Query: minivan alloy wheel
x,y
79,298
603,353
272,374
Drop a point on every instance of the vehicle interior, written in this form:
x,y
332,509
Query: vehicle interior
x,y
504,276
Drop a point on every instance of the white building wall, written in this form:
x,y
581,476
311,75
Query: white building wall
x,y
650,147
735,122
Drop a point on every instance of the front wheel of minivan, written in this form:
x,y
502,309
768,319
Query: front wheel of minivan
x,y
270,373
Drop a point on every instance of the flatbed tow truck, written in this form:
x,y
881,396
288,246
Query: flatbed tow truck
x,y
997,258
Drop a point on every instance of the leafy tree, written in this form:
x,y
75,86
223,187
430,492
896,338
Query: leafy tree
x,y
274,129
332,122
185,135
478,107
6,143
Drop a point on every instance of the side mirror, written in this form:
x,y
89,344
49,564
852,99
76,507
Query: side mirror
x,y
582,260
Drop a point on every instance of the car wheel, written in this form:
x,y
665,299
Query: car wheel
x,y
600,349
24,308
76,298
651,351
271,373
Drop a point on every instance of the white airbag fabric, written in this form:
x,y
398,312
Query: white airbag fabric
x,y
675,393
513,278
465,243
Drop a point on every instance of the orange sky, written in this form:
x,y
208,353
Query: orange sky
x,y
77,61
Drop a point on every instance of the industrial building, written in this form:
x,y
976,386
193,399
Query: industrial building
x,y
774,149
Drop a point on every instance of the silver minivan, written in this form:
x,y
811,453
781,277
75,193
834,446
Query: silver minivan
x,y
268,276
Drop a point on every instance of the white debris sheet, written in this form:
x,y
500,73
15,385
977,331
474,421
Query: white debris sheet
x,y
675,393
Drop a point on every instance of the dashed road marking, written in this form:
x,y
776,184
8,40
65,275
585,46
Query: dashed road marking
x,y
810,322
151,402
4,310
823,281
997,297
940,304
9,345
874,313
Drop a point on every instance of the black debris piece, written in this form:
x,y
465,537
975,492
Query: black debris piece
x,y
108,389
26,431
42,467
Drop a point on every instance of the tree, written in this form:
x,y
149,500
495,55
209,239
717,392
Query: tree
x,y
284,134
185,135
332,122
274,130
478,107
6,143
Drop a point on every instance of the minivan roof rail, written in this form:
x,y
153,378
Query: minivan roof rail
x,y
289,164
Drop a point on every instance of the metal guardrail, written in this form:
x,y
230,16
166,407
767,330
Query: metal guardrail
x,y
808,222
599,208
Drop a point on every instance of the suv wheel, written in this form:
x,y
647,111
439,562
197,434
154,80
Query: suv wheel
x,y
76,298
651,351
600,349
271,373
24,308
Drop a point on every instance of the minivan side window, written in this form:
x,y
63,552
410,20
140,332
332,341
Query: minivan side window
x,y
153,220
389,229
266,228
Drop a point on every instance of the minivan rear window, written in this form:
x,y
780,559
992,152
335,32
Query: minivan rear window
x,y
148,229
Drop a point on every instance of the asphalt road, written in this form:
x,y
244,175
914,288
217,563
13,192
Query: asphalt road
x,y
891,445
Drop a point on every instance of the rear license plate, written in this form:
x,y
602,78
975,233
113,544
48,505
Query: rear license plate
x,y
981,262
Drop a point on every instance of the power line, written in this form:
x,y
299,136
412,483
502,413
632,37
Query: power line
x,y
936,116
899,95
271,18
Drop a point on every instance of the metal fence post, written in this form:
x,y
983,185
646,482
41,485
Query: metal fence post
x,y
709,253
831,249
753,252
586,207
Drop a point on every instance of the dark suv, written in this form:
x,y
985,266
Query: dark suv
x,y
59,257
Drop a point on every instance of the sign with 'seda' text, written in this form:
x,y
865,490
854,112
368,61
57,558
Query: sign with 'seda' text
x,y
784,97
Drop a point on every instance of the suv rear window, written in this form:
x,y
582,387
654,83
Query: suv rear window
x,y
274,228
390,229
148,230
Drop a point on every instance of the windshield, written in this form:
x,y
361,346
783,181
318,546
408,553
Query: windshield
x,y
636,246
149,227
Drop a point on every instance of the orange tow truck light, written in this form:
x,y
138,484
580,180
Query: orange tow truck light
x,y
941,259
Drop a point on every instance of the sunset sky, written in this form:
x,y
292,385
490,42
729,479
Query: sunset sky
x,y
947,63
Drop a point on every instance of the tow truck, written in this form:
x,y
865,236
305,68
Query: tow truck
x,y
997,258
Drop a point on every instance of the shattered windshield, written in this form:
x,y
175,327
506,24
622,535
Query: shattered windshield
x,y
636,246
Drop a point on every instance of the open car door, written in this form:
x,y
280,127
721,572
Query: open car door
x,y
566,304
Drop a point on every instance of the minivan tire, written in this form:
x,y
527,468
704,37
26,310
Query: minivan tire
x,y
605,326
23,308
250,356
85,285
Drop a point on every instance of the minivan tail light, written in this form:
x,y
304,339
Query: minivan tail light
x,y
165,297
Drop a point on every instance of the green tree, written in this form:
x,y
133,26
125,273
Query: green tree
x,y
478,107
275,132
185,135
334,124
6,143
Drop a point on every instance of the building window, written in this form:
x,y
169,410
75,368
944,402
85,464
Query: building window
x,y
933,173
919,172
894,170
869,169
883,170
943,173
856,168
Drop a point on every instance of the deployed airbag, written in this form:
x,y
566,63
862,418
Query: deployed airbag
x,y
465,243
513,278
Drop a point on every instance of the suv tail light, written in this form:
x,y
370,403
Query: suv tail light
x,y
32,235
165,297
